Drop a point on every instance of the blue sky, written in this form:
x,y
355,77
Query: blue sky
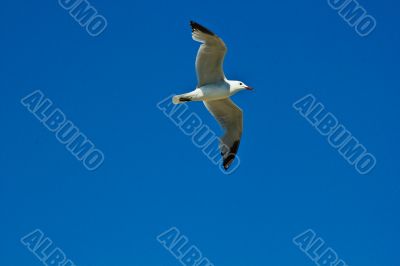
x,y
154,178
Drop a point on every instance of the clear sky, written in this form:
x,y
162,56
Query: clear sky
x,y
153,177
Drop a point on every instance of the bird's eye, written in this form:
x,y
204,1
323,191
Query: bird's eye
x,y
241,84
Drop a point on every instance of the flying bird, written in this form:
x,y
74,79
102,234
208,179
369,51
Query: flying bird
x,y
214,90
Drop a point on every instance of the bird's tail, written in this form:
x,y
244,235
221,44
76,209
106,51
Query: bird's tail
x,y
187,97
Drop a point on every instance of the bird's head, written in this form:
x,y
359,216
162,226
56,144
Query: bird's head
x,y
236,86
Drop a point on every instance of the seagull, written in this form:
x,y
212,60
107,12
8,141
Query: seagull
x,y
215,90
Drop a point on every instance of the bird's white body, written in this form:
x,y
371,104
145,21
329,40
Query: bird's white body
x,y
214,90
210,92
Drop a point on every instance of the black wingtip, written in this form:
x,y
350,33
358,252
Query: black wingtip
x,y
228,161
197,26
232,155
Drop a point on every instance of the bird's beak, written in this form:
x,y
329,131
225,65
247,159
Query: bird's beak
x,y
249,88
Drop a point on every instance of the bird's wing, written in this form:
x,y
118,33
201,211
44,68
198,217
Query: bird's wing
x,y
210,57
230,117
